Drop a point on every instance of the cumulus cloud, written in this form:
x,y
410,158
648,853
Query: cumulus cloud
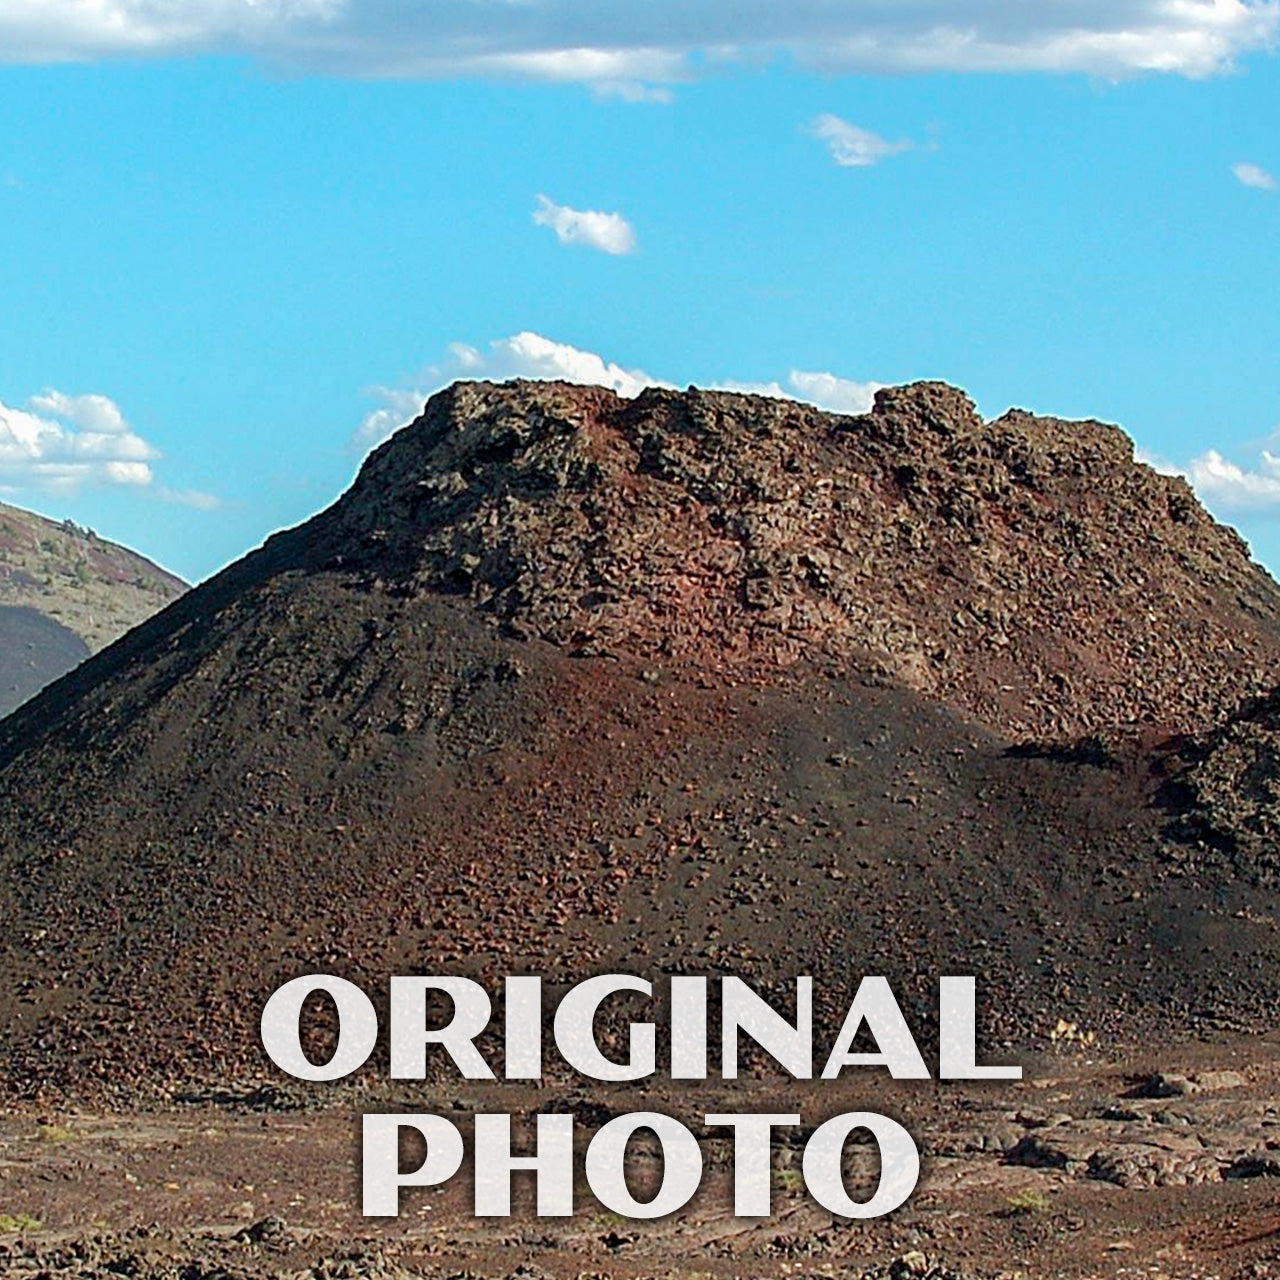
x,y
93,413
65,442
523,355
608,232
840,395
637,47
837,395
1230,489
1253,175
530,355
851,146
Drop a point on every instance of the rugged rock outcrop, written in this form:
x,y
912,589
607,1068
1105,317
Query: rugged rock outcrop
x,y
1226,794
1027,570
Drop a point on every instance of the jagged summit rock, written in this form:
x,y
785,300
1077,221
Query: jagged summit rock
x,y
1027,570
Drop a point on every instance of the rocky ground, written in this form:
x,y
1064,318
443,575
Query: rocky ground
x,y
1086,1169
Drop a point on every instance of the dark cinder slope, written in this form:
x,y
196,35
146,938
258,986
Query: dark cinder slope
x,y
698,680
65,593
34,651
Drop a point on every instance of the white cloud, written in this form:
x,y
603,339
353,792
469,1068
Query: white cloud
x,y
1224,486
851,146
530,355
608,232
91,413
1230,488
775,390
63,443
639,47
837,395
636,74
1194,38
840,395
1253,175
523,355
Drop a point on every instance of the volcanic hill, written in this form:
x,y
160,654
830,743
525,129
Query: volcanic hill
x,y
696,680
65,593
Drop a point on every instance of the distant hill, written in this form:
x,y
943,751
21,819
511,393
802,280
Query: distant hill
x,y
65,593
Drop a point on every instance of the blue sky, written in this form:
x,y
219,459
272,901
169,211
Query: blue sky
x,y
244,240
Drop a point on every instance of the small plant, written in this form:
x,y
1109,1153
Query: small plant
x,y
54,1133
1072,1033
11,1223
788,1180
606,1220
1028,1202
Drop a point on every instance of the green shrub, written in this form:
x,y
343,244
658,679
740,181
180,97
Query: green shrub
x,y
11,1223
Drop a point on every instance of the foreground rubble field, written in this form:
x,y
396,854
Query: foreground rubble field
x,y
1165,1166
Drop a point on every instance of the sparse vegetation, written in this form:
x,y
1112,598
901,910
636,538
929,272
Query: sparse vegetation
x,y
1028,1202
12,1223
1067,1032
606,1220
